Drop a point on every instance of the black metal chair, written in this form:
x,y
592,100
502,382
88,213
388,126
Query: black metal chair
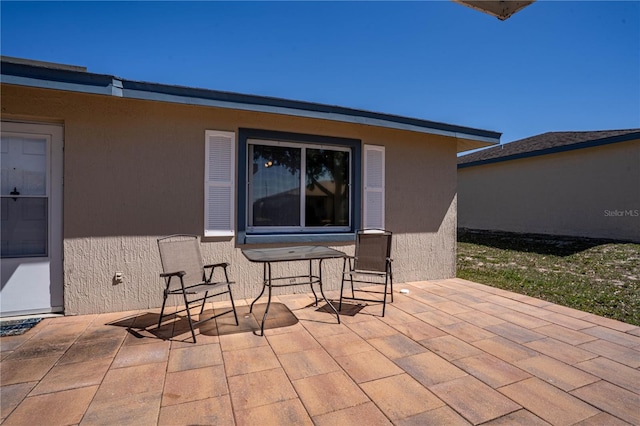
x,y
370,264
181,259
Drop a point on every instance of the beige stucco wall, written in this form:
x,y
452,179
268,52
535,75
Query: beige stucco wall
x,y
134,170
591,192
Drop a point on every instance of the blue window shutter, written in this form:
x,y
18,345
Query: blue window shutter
x,y
373,205
219,185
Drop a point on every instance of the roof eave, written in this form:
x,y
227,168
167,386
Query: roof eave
x,y
555,150
100,84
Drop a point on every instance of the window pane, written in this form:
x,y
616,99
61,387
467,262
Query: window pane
x,y
275,186
24,227
327,188
24,166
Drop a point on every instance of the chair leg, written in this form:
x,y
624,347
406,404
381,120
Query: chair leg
x,y
193,333
391,281
344,267
186,305
164,301
384,299
353,293
233,305
204,302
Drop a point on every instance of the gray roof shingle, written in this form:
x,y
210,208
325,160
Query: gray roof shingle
x,y
546,143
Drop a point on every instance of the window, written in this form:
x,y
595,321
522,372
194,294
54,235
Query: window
x,y
25,195
298,187
289,187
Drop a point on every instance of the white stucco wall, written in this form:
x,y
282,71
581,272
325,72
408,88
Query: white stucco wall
x,y
590,192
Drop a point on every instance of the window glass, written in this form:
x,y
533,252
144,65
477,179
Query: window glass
x,y
298,186
327,188
25,227
24,166
23,188
275,185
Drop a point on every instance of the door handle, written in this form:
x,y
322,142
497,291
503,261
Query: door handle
x,y
15,192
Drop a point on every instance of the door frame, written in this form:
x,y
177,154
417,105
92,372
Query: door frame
x,y
55,173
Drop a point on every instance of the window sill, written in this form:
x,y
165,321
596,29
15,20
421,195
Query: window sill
x,y
244,238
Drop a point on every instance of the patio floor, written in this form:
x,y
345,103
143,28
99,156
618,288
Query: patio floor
x,y
450,352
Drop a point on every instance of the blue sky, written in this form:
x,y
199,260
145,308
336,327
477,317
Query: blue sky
x,y
554,66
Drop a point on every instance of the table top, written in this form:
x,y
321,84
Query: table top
x,y
286,254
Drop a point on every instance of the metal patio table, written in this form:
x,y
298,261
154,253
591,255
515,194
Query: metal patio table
x,y
267,256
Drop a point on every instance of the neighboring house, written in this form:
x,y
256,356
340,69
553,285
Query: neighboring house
x,y
95,168
583,184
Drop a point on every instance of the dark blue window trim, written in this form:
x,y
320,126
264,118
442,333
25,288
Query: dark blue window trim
x,y
356,187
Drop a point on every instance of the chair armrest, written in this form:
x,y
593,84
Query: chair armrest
x,y
173,274
215,265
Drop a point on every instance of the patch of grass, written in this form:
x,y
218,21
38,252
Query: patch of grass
x,y
600,277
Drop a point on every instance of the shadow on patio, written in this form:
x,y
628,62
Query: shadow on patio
x,y
449,352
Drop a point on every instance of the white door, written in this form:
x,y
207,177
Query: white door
x,y
31,234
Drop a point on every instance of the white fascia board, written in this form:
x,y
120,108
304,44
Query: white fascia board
x,y
113,89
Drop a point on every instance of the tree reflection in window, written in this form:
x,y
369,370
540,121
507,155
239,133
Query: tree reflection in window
x,y
276,198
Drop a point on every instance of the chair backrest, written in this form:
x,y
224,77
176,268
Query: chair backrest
x,y
373,248
182,253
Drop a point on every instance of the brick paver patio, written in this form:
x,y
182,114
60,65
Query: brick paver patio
x,y
450,352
